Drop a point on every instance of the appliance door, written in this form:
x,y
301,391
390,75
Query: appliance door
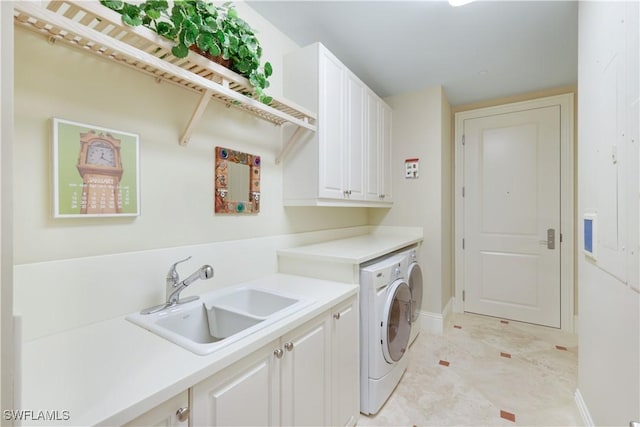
x,y
396,323
415,285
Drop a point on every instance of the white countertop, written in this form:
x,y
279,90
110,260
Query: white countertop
x,y
359,249
111,372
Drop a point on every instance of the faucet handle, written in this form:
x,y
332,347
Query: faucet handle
x,y
173,274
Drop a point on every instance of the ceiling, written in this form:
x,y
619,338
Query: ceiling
x,y
480,51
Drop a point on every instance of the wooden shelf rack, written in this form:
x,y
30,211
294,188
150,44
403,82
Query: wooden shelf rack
x,y
94,28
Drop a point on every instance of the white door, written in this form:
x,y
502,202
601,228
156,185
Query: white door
x,y
512,215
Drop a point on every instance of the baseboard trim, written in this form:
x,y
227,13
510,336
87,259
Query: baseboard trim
x,y
431,322
584,411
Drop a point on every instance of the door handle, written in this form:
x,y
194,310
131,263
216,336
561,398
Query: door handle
x,y
551,238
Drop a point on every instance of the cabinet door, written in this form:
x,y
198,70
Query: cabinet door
x,y
331,127
166,414
355,138
385,143
244,394
373,149
305,376
345,364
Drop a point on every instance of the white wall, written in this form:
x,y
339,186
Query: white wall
x,y
421,128
609,297
64,266
176,182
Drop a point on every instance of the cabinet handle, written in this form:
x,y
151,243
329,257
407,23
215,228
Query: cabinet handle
x,y
278,353
182,414
288,346
337,316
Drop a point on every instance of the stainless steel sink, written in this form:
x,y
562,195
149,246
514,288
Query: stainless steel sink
x,y
220,317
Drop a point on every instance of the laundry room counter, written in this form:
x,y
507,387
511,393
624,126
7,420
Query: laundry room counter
x,y
340,260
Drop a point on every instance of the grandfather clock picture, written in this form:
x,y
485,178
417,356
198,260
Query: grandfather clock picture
x,y
95,171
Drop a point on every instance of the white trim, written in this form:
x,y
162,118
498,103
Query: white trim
x,y
447,310
584,411
6,207
432,323
567,216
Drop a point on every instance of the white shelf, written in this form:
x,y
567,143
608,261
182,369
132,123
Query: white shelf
x,y
94,28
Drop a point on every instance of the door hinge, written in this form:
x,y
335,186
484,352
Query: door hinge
x,y
463,243
560,237
462,139
463,296
462,191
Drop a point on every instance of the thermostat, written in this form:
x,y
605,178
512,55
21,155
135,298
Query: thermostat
x,y
411,168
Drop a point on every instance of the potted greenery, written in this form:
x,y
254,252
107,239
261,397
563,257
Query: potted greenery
x,y
216,32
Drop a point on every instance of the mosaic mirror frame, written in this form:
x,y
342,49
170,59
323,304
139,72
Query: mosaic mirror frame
x,y
223,205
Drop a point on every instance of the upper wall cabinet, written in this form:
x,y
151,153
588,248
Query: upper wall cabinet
x,y
347,162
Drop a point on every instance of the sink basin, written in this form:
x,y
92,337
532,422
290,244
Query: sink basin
x,y
255,302
220,317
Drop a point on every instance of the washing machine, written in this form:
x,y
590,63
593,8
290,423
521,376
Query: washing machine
x,y
385,330
413,273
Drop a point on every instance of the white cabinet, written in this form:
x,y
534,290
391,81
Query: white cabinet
x,y
307,377
334,166
345,360
332,156
172,413
244,394
379,155
355,138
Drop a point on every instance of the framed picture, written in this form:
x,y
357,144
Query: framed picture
x,y
96,171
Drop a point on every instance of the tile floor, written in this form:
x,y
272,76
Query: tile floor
x,y
484,371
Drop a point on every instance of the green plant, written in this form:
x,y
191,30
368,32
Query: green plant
x,y
202,26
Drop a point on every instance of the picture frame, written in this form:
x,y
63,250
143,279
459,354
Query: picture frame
x,y
96,171
237,182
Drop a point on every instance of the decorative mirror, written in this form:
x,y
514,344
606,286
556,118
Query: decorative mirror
x,y
237,182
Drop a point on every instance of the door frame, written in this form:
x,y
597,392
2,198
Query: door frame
x,y
567,200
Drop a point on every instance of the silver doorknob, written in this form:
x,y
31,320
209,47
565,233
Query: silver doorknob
x,y
278,353
182,414
288,346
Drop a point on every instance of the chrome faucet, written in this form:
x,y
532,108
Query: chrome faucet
x,y
174,286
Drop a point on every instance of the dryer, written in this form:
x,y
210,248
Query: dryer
x,y
416,284
385,330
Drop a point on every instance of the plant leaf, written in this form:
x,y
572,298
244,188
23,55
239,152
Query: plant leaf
x,y
133,21
113,4
180,51
214,49
242,66
164,29
268,70
266,99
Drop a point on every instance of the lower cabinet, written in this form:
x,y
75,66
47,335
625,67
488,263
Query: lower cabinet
x,y
172,413
309,376
345,372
